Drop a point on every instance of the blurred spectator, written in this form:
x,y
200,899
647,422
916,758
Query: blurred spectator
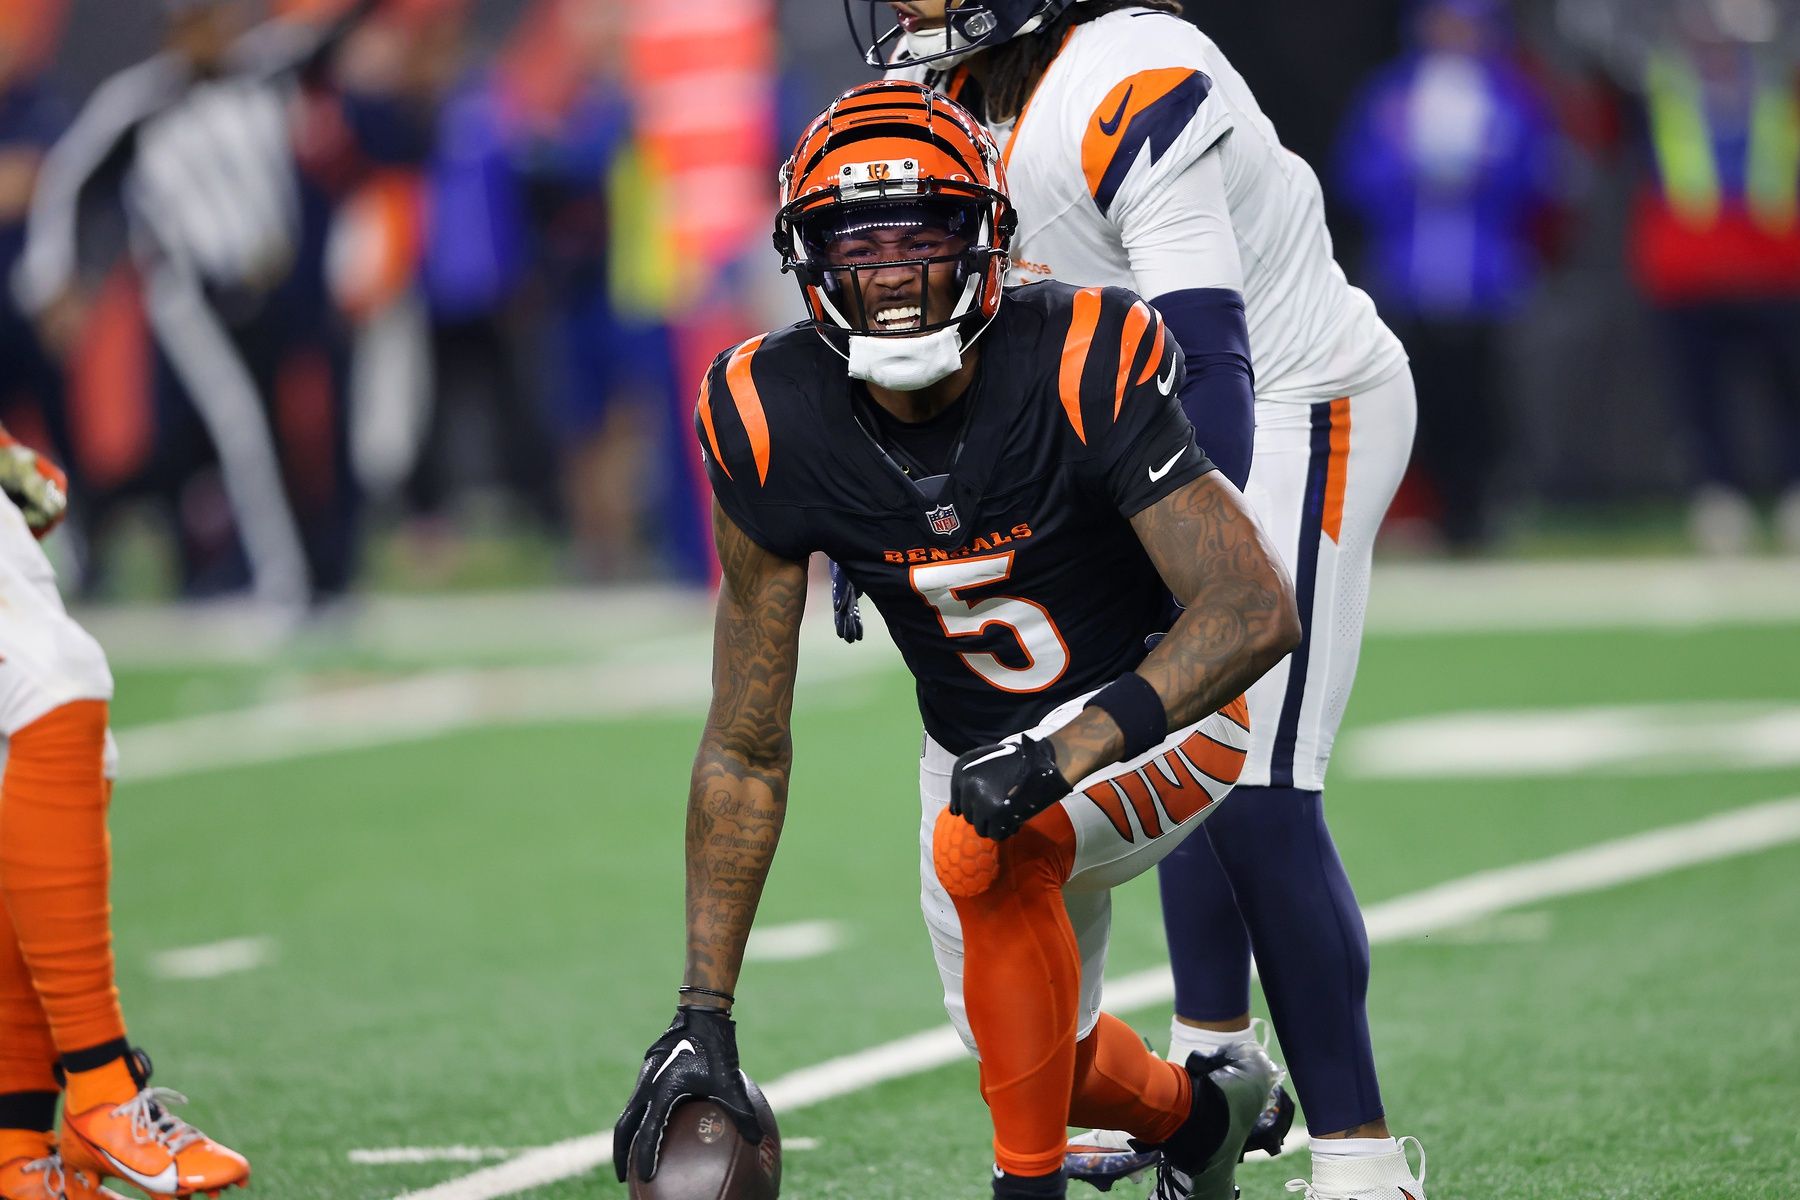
x,y
1715,235
1449,157
613,371
32,117
196,147
485,407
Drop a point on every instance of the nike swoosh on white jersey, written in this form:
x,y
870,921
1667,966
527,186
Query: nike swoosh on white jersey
x,y
1165,382
990,756
1157,473
682,1047
163,1182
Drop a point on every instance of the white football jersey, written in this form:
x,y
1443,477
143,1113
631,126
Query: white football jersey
x,y
46,659
1126,111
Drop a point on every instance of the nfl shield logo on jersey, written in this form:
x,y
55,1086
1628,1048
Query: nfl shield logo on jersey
x,y
943,520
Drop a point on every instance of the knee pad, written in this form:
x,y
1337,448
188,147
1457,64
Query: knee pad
x,y
967,864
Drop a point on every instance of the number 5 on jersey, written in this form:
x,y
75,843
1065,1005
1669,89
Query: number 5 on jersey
x,y
1046,655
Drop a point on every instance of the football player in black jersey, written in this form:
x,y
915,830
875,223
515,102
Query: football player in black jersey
x,y
1008,476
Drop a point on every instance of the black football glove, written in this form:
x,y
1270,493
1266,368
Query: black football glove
x,y
999,788
696,1058
846,613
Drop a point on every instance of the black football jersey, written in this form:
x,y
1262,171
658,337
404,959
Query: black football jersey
x,y
1015,581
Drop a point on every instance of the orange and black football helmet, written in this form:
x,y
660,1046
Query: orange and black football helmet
x,y
886,158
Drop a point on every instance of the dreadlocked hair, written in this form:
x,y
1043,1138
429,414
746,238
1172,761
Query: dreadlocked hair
x,y
1014,68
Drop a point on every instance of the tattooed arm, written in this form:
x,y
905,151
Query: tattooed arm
x,y
738,795
1240,617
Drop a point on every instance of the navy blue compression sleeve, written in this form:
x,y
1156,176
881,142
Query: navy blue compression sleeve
x,y
1219,395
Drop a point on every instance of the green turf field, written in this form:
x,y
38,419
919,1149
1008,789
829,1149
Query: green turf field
x,y
470,932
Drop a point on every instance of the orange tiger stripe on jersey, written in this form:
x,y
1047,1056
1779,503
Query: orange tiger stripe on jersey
x,y
1337,468
1106,128
706,421
742,386
1076,345
1136,322
1155,359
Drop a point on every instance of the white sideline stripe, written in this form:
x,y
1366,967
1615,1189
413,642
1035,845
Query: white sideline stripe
x,y
1596,868
213,959
794,942
398,1155
1407,598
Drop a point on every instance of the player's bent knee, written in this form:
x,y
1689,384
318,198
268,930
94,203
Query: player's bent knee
x,y
967,864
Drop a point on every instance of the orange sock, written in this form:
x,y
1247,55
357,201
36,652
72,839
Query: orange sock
x,y
23,1143
55,867
1120,1084
1022,985
27,1055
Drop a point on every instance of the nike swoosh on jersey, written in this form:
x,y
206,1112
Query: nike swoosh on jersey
x,y
682,1047
162,1182
1165,382
1110,127
1156,473
990,756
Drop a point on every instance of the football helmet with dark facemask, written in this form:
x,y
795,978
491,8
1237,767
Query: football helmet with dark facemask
x,y
969,27
892,178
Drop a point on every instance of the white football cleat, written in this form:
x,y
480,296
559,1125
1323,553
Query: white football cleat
x,y
1376,1177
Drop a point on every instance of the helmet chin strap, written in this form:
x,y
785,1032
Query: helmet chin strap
x,y
908,364
927,42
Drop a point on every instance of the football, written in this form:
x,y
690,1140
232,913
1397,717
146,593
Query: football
x,y
704,1157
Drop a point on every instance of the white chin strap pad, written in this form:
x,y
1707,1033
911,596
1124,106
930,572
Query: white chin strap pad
x,y
927,42
906,364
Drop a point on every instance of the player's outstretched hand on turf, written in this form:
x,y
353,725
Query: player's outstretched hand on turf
x,y
999,788
846,612
695,1058
34,483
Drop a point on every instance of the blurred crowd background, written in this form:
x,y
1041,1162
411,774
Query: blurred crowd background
x,y
317,295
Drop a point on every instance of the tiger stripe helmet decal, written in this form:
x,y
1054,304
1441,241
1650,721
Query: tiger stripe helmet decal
x,y
1150,108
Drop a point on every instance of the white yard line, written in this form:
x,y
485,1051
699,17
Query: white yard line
x,y
1407,598
1623,739
794,942
214,959
1449,905
405,1155
673,676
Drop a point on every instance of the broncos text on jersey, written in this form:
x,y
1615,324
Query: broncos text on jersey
x,y
1019,583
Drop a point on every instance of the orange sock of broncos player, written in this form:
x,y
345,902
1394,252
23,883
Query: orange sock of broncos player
x,y
1120,1084
55,867
27,1055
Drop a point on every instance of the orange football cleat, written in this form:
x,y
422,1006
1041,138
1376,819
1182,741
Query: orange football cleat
x,y
48,1179
130,1134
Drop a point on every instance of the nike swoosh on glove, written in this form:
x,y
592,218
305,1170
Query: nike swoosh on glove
x,y
34,483
999,788
846,613
696,1058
